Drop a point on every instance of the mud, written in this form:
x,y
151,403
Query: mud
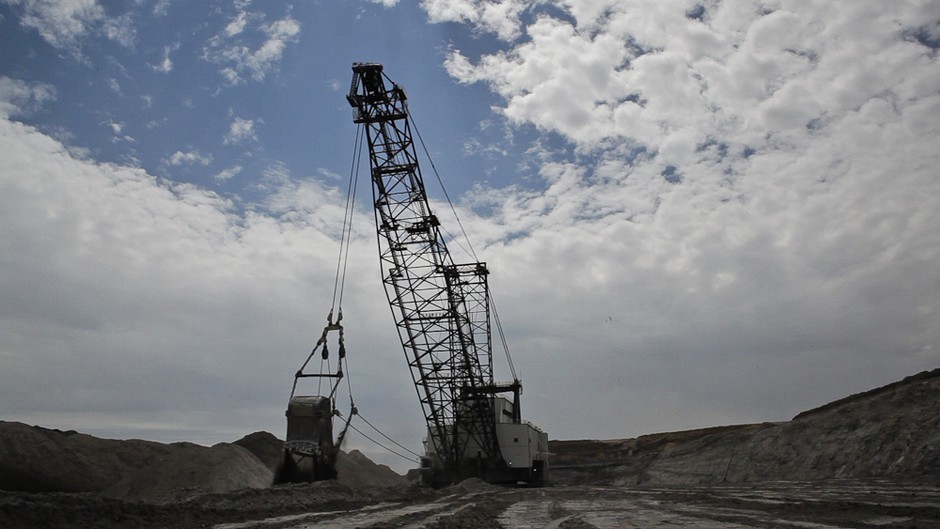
x,y
907,503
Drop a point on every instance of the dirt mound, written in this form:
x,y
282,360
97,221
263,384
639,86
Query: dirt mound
x,y
35,459
889,431
193,471
470,485
354,469
265,446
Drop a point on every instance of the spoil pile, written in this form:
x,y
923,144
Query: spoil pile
x,y
889,431
192,471
355,470
264,446
35,459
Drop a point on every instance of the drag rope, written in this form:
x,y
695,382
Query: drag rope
x,y
387,449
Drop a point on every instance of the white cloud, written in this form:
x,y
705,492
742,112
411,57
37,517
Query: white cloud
x,y
237,24
116,127
161,7
240,130
121,29
65,23
794,246
227,174
792,263
501,17
386,3
249,46
19,97
189,158
108,273
165,65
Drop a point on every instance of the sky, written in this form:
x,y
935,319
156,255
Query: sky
x,y
695,213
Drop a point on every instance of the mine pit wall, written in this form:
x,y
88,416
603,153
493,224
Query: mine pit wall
x,y
892,431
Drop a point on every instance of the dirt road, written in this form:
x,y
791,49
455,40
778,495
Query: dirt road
x,y
831,504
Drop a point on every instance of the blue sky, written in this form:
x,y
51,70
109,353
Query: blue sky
x,y
695,213
216,93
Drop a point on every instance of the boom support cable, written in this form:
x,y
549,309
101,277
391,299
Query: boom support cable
x,y
496,321
441,182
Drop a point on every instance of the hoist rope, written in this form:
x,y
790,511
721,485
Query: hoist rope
x,y
342,259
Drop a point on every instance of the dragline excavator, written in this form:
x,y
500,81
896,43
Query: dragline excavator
x,y
442,311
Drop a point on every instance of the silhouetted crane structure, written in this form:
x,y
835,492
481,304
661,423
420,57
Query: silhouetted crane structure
x,y
441,309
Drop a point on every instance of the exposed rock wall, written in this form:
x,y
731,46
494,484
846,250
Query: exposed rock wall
x,y
894,430
889,431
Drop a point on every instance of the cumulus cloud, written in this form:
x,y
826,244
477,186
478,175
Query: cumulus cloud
x,y
740,225
18,97
166,64
115,285
249,46
228,173
240,130
750,192
499,17
65,23
189,158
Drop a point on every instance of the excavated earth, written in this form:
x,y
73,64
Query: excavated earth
x,y
869,460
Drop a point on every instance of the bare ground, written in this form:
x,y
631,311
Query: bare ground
x,y
817,504
867,461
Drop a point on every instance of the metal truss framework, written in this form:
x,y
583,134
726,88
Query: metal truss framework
x,y
441,308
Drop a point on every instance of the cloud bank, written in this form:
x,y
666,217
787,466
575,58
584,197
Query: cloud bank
x,y
747,211
732,219
135,306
